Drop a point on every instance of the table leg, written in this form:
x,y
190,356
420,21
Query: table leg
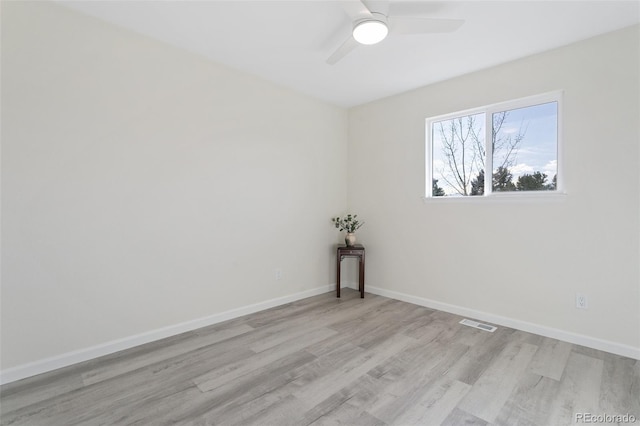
x,y
361,276
338,276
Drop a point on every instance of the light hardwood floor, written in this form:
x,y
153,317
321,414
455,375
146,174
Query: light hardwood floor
x,y
328,361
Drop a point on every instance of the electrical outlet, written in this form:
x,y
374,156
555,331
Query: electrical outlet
x,y
581,301
278,274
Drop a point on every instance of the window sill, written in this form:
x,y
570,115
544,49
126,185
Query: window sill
x,y
541,196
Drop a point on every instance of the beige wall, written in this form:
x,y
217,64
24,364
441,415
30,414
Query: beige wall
x,y
518,260
143,186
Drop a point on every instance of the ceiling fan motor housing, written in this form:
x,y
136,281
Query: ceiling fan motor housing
x,y
371,30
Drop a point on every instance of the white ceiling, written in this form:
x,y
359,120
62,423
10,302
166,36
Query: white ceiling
x,y
288,42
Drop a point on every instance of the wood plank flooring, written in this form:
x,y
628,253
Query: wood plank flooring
x,y
329,361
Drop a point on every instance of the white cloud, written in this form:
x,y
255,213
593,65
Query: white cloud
x,y
551,168
438,164
520,169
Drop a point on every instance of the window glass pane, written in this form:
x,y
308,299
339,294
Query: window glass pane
x,y
525,148
458,156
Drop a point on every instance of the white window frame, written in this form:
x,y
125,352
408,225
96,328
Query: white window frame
x,y
555,96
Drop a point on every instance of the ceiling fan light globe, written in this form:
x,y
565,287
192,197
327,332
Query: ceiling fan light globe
x,y
370,32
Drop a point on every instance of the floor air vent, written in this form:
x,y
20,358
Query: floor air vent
x,y
479,325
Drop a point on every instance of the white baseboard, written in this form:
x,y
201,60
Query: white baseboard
x,y
566,336
70,358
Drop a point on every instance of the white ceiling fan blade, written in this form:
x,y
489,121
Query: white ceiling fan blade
x,y
343,50
408,25
415,8
378,6
355,9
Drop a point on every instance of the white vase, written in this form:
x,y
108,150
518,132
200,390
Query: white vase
x,y
350,239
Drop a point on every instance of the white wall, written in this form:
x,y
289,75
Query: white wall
x,y
522,261
143,186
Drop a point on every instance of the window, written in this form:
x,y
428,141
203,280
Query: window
x,y
518,141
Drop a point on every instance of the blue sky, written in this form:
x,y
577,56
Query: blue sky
x,y
538,151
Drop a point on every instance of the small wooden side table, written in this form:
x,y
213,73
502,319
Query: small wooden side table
x,y
352,251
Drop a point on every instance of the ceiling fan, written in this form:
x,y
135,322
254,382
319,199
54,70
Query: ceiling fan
x,y
372,24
